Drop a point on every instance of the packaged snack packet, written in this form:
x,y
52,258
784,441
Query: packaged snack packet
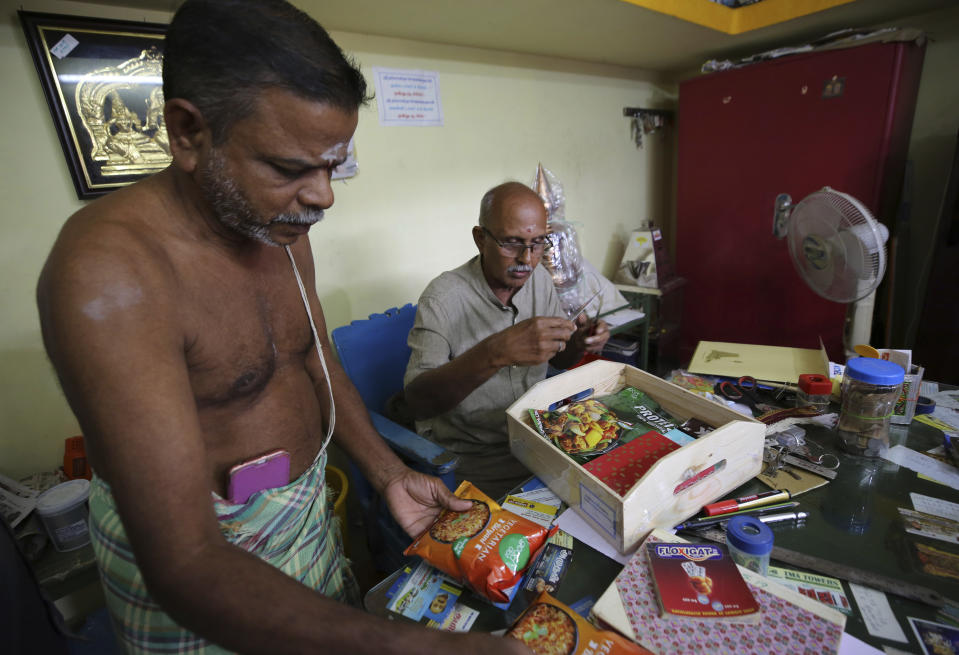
x,y
548,627
486,547
585,428
640,410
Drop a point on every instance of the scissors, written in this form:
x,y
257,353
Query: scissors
x,y
744,390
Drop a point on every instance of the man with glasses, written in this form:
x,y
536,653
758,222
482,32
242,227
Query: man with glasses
x,y
484,334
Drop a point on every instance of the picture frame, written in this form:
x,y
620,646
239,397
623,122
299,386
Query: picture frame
x,y
103,84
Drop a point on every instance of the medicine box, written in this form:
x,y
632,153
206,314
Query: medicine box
x,y
673,489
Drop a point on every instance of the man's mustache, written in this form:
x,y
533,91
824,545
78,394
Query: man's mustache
x,y
519,268
308,217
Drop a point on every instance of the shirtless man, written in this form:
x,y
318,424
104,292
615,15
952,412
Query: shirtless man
x,y
172,313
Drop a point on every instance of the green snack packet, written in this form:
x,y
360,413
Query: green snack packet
x,y
645,414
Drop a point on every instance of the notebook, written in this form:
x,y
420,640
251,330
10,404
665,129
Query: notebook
x,y
695,582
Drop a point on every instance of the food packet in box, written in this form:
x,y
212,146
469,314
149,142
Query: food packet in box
x,y
583,429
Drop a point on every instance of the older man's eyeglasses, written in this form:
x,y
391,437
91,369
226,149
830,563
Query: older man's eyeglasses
x,y
516,248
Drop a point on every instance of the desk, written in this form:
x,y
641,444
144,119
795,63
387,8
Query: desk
x,y
853,520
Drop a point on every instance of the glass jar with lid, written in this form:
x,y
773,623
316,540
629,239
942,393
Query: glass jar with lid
x,y
870,388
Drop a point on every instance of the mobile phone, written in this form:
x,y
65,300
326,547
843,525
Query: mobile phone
x,y
262,472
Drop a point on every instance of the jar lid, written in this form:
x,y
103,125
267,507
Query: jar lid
x,y
875,371
750,535
63,496
814,384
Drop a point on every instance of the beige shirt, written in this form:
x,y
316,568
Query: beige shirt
x,y
455,312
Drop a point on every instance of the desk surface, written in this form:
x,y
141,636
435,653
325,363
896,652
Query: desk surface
x,y
853,521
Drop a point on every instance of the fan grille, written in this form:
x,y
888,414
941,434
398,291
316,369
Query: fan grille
x,y
837,246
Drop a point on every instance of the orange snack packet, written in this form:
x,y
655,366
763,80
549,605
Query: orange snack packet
x,y
548,627
486,547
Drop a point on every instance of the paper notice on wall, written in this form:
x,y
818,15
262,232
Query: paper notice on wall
x,y
408,97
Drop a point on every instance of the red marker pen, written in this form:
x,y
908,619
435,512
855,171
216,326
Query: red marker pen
x,y
746,502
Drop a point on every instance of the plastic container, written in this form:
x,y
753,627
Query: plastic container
x,y
339,487
63,511
750,541
870,388
75,462
814,391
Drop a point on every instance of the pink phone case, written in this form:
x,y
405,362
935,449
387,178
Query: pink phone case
x,y
263,472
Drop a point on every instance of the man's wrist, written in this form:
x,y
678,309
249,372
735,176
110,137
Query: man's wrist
x,y
492,355
383,476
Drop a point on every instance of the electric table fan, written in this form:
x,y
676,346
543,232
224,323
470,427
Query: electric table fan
x,y
839,249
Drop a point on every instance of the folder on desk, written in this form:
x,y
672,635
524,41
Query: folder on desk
x,y
766,363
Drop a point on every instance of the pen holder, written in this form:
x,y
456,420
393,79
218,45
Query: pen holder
x,y
814,391
905,407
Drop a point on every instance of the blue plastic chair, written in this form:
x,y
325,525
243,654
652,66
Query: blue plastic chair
x,y
374,354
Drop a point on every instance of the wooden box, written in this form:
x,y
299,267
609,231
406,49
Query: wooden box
x,y
673,489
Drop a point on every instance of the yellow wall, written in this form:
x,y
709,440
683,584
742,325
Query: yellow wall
x,y
401,221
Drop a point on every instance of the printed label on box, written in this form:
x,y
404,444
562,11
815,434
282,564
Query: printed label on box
x,y
461,619
426,594
602,514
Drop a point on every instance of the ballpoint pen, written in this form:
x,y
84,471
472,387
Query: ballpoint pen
x,y
707,521
746,502
785,516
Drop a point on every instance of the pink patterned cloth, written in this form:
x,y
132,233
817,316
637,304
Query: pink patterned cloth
x,y
784,628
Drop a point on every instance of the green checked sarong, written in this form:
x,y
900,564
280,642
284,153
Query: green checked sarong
x,y
291,528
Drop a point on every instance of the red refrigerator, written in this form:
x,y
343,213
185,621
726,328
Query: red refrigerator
x,y
838,118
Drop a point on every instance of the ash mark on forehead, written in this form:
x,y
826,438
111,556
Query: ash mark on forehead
x,y
335,153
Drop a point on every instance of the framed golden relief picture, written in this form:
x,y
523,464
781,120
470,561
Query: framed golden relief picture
x,y
103,84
